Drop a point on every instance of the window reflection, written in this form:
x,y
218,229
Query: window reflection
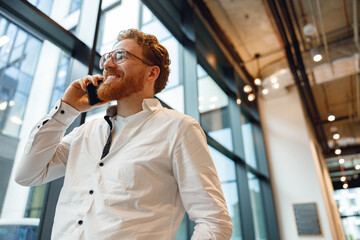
x,y
257,207
213,108
226,172
29,70
18,58
248,141
173,94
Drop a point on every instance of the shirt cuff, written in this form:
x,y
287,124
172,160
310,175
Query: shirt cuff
x,y
64,113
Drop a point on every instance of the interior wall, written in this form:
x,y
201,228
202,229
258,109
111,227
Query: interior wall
x,y
293,166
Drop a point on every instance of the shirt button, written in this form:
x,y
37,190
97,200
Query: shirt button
x,y
91,191
62,111
101,164
80,222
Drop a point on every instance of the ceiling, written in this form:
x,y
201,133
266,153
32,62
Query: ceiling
x,y
275,40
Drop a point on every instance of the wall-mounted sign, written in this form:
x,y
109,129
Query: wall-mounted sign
x,y
307,220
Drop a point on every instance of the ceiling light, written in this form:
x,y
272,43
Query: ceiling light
x,y
345,185
201,99
276,85
265,91
247,88
315,54
257,81
336,136
251,97
338,151
16,120
341,161
11,103
4,40
331,117
357,167
3,105
343,178
274,80
214,99
238,101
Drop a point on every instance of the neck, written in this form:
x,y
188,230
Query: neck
x,y
130,105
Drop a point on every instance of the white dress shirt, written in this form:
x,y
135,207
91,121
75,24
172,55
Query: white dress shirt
x,y
158,167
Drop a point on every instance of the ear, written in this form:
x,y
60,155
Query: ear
x,y
154,74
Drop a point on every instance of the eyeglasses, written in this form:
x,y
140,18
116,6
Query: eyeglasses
x,y
118,56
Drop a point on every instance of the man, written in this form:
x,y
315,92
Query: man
x,y
133,174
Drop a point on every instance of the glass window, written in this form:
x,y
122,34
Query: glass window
x,y
257,207
173,94
248,141
42,5
213,108
348,207
226,172
61,78
29,70
75,5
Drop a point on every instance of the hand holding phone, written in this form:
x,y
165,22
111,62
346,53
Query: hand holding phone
x,y
91,93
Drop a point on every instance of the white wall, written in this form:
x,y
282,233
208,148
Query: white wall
x,y
294,166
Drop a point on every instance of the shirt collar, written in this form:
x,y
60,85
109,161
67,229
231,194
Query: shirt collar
x,y
148,104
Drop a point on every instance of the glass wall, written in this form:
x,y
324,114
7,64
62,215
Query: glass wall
x,y
225,168
32,78
348,201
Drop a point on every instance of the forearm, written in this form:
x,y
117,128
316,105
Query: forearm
x,y
44,158
218,229
199,185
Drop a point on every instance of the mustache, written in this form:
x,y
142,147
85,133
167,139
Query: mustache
x,y
114,72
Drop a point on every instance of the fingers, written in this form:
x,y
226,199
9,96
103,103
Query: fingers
x,y
90,79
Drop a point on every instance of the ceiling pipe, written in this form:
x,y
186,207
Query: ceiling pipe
x,y
356,40
300,65
319,134
314,20
324,35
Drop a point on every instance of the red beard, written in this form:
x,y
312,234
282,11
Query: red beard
x,y
122,87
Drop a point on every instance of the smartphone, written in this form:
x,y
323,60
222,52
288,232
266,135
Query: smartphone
x,y
91,93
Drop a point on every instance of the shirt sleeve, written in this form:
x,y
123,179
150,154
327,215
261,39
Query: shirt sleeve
x,y
46,150
199,185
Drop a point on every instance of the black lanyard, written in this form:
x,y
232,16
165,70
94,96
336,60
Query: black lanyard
x,y
108,141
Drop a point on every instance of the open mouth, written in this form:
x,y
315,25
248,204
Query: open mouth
x,y
112,76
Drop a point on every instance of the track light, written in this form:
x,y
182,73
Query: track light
x,y
331,117
265,91
343,178
315,54
238,101
251,97
247,88
338,151
341,161
336,136
257,81
345,185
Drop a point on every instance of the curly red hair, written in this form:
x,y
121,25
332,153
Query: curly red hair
x,y
153,51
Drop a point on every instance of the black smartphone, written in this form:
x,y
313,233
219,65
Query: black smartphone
x,y
91,93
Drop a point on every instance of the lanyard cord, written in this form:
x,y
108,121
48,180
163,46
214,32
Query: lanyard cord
x,y
108,141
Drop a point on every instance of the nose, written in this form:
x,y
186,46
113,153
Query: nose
x,y
109,63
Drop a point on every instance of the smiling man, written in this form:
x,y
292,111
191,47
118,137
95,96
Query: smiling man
x,y
134,173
